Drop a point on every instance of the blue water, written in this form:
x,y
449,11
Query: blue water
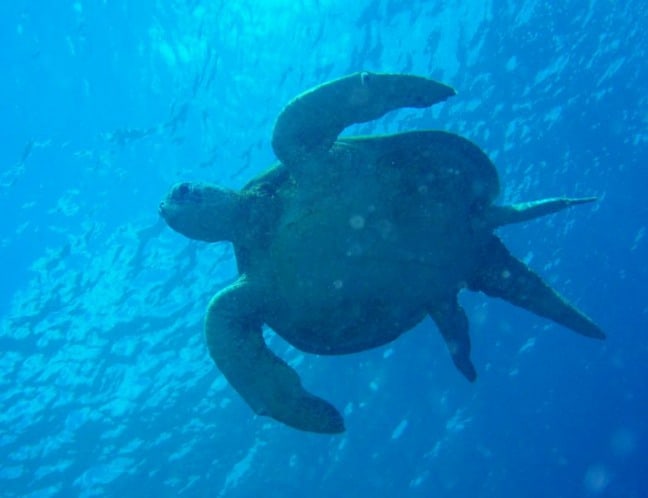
x,y
106,387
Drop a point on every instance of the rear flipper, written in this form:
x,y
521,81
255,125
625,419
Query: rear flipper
x,y
453,325
497,216
501,275
267,384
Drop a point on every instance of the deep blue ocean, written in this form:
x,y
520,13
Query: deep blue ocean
x,y
107,388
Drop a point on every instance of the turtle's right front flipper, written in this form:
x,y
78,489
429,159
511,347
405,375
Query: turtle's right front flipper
x,y
268,385
310,124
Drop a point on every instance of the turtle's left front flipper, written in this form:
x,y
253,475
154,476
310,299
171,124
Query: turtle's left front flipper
x,y
501,275
310,123
267,383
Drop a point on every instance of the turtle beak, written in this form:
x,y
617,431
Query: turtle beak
x,y
165,210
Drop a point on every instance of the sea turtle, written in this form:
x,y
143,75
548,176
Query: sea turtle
x,y
347,243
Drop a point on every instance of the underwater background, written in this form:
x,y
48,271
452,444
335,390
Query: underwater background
x,y
107,388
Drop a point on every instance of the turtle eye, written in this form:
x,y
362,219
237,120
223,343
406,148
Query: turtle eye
x,y
187,193
182,192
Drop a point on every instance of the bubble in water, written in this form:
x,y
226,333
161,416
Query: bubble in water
x,y
357,222
623,442
596,479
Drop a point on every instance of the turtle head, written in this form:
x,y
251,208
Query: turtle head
x,y
203,212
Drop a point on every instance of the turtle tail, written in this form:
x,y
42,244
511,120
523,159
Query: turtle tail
x,y
496,216
503,276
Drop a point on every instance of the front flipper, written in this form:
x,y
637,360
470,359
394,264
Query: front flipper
x,y
311,122
501,275
233,327
453,325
